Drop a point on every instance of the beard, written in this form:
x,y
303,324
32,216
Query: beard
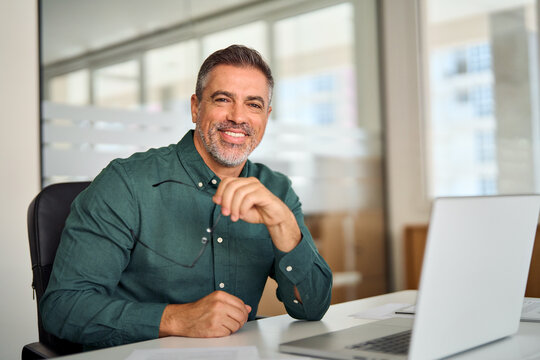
x,y
227,154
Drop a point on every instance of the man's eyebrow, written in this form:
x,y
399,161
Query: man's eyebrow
x,y
257,98
232,96
222,92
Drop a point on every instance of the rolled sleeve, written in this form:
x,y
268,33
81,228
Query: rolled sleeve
x,y
304,268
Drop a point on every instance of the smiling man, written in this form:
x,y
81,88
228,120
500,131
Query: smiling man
x,y
181,240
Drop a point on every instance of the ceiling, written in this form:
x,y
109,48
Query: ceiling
x,y
445,10
70,28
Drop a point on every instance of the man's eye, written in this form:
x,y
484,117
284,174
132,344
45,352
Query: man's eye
x,y
256,106
221,100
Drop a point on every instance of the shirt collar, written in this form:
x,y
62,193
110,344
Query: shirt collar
x,y
203,178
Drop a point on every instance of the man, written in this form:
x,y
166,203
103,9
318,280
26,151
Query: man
x,y
180,240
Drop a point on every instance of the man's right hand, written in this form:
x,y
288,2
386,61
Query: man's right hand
x,y
215,315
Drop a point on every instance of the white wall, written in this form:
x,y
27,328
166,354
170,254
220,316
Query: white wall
x,y
19,170
407,202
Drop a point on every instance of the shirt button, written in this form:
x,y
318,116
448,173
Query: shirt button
x,y
295,301
221,285
214,181
200,184
288,268
219,240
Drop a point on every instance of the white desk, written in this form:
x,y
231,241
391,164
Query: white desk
x,y
268,333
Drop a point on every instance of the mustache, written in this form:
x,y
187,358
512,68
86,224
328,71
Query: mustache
x,y
231,125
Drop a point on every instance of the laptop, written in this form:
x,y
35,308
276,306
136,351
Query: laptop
x,y
478,248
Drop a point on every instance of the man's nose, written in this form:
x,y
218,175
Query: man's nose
x,y
237,113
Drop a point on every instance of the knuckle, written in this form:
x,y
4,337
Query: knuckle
x,y
242,191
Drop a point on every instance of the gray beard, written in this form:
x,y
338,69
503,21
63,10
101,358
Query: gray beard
x,y
224,157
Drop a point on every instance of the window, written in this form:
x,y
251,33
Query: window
x,y
170,73
479,58
481,98
483,126
71,88
252,35
117,85
315,64
485,147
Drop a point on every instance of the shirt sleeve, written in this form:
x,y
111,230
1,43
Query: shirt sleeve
x,y
304,268
80,303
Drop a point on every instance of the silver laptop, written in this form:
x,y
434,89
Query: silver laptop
x,y
478,248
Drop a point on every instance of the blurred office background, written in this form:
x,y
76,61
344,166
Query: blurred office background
x,y
119,82
379,107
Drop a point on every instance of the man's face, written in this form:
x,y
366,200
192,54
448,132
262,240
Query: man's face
x,y
232,114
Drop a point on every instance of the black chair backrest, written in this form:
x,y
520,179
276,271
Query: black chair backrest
x,y
47,215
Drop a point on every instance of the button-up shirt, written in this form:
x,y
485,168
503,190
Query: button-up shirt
x,y
132,245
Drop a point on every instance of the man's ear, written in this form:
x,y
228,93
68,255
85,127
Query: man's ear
x,y
194,108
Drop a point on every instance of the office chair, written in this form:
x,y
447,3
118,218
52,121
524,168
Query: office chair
x,y
47,215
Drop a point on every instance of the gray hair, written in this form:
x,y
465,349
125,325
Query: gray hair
x,y
236,55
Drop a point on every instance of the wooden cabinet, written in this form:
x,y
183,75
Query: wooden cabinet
x,y
415,241
352,243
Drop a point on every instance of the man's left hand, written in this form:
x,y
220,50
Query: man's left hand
x,y
249,200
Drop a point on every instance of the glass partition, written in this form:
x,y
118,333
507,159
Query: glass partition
x,y
324,132
117,85
170,74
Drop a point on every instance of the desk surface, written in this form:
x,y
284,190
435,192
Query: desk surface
x,y
268,333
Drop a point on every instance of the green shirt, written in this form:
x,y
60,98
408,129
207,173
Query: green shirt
x,y
119,262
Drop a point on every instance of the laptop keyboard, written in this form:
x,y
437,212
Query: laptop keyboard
x,y
397,343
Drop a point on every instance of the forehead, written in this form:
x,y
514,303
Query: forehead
x,y
242,81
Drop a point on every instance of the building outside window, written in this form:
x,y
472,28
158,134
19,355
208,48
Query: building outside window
x,y
483,127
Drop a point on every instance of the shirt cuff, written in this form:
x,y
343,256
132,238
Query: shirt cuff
x,y
144,320
297,263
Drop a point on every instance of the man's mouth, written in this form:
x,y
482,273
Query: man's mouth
x,y
234,134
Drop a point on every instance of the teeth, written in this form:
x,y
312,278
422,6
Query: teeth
x,y
234,134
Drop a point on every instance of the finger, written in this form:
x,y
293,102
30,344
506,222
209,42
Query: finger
x,y
225,313
230,192
231,325
239,315
221,187
231,300
227,316
244,199
224,187
254,203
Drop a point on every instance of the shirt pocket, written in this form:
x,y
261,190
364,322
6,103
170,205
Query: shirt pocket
x,y
163,272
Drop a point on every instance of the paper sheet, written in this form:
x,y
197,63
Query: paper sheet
x,y
531,309
381,312
222,353
529,312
